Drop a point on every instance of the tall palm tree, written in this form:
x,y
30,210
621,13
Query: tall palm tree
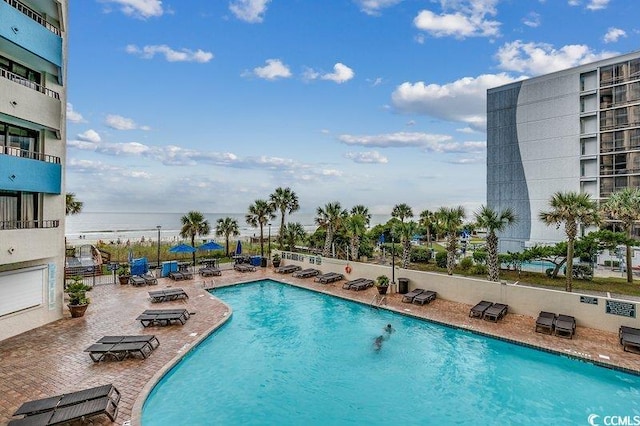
x,y
293,232
356,227
572,209
494,222
450,221
260,213
73,205
405,230
227,226
330,218
364,211
402,211
624,206
194,223
427,220
285,200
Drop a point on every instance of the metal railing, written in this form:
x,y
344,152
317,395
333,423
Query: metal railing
x,y
30,84
29,224
25,153
21,7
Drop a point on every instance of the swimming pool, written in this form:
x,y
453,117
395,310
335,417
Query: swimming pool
x,y
290,356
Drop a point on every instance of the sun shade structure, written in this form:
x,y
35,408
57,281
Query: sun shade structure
x,y
182,248
211,245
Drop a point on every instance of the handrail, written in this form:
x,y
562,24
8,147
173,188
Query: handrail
x,y
25,153
29,224
30,84
33,15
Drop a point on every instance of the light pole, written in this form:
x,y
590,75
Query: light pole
x,y
393,262
158,265
269,248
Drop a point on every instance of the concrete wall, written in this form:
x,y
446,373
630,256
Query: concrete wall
x,y
521,300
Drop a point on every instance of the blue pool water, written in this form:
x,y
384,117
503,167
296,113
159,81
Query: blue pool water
x,y
289,356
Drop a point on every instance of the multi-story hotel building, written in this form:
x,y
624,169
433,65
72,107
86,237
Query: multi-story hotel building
x,y
32,153
572,130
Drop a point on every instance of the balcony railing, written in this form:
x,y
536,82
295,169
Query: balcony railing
x,y
30,84
33,15
29,224
24,153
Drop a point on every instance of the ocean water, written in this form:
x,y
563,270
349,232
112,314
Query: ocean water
x,y
109,226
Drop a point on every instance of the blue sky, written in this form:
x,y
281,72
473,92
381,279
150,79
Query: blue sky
x,y
208,105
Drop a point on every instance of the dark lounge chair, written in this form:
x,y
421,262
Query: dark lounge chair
x,y
118,351
306,273
545,322
176,276
148,338
163,317
348,284
137,280
495,312
408,297
624,330
478,310
149,279
629,339
565,326
68,407
288,269
362,284
168,295
427,296
329,278
210,272
243,267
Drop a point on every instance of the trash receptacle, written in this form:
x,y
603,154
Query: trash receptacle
x,y
255,260
403,285
263,262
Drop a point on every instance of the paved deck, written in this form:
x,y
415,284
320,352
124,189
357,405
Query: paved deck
x,y
51,359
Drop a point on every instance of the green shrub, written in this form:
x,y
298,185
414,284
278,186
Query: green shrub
x,y
480,256
479,269
441,259
466,263
420,254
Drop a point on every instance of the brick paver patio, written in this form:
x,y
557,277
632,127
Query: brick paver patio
x,y
51,359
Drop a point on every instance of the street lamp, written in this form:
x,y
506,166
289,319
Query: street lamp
x,y
158,265
393,262
269,248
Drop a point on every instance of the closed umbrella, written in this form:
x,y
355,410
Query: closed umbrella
x,y
238,251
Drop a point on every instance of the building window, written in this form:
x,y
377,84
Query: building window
x,y
18,141
18,210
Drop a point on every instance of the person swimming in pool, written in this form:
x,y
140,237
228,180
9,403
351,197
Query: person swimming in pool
x,y
377,343
387,331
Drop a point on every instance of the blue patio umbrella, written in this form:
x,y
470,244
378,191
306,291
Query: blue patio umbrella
x,y
238,251
211,245
182,248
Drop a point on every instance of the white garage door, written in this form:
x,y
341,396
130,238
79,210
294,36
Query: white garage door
x,y
21,289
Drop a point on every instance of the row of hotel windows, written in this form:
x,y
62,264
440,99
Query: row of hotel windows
x,y
619,95
620,117
620,72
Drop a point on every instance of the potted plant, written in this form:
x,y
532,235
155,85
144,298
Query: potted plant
x,y
78,300
276,260
382,284
124,274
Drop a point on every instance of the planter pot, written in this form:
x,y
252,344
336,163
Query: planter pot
x,y
77,311
124,279
276,263
382,290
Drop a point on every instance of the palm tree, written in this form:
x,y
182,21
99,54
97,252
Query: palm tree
x,y
285,200
73,206
494,222
293,232
194,223
364,211
572,209
330,218
449,221
405,231
356,227
260,213
427,220
401,211
624,206
227,226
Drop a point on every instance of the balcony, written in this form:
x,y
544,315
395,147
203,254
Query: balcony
x,y
25,102
32,14
30,84
17,152
30,175
29,224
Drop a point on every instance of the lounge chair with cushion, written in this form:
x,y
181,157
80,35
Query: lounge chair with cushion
x,y
288,269
210,272
363,284
408,297
187,275
624,330
68,407
243,267
176,276
427,296
478,310
565,326
329,278
495,312
629,339
306,273
137,280
347,285
545,322
168,295
150,279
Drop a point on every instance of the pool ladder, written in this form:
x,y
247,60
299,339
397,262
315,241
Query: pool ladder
x,y
378,300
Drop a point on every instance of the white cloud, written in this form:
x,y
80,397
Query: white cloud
x,y
468,18
597,4
395,140
574,2
532,20
367,157
119,122
74,116
251,11
100,168
139,8
171,55
341,73
373,7
90,136
613,34
542,58
273,70
463,100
